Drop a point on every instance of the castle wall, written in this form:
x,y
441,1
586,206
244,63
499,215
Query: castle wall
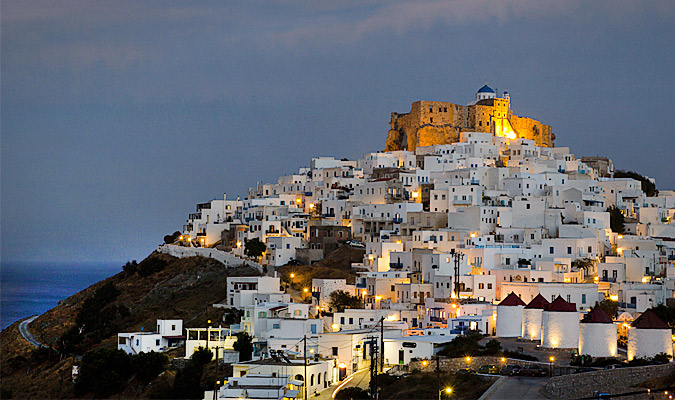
x,y
435,122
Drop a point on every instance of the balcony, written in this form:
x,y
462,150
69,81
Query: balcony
x,y
396,265
607,279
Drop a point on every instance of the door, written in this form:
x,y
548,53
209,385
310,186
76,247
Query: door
x,y
401,357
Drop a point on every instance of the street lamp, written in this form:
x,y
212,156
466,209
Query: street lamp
x,y
215,389
550,366
447,391
207,334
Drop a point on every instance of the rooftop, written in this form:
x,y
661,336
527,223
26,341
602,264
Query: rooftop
x,y
512,300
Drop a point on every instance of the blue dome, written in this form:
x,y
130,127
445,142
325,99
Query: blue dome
x,y
486,89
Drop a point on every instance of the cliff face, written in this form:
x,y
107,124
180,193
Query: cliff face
x,y
432,122
185,289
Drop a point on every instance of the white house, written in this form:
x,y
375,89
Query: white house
x,y
169,334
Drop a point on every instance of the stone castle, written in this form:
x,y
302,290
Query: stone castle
x,y
435,122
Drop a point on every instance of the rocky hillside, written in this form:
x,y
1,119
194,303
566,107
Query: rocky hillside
x,y
168,287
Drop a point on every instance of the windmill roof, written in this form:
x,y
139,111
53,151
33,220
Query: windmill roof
x,y
538,302
512,300
559,304
598,316
649,320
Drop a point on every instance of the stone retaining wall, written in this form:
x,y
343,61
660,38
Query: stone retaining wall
x,y
613,381
455,364
228,259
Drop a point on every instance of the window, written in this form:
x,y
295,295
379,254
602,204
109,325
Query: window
x,y
351,321
173,327
275,326
481,286
489,286
157,342
583,299
569,250
393,288
569,298
335,351
342,320
550,250
590,249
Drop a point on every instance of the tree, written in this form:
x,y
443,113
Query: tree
x,y
244,346
617,222
169,239
647,186
187,382
202,356
583,263
339,300
254,248
462,346
316,211
610,307
665,314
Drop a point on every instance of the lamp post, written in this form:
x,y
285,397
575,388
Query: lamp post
x,y
551,360
447,390
207,334
215,389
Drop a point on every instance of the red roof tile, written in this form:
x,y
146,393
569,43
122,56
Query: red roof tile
x,y
649,320
559,304
598,316
512,300
538,302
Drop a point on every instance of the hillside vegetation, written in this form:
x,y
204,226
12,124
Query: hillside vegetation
x,y
160,287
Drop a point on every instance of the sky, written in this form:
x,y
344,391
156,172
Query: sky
x,y
117,117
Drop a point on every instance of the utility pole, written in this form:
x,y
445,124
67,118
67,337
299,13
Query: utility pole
x,y
305,362
382,344
457,258
373,369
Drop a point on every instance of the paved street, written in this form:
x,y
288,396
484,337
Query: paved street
x,y
23,330
360,379
516,387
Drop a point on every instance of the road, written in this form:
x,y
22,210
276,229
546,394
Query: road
x,y
360,379
23,330
516,387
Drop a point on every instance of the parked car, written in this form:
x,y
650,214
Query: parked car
x,y
465,371
488,369
583,369
533,370
510,370
355,243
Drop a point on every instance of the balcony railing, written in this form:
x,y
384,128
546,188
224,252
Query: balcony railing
x,y
607,279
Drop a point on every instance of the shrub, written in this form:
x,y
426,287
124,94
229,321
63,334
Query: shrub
x,y
151,265
519,356
353,393
130,268
103,372
149,365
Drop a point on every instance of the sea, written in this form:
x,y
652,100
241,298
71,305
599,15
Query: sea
x,y
28,289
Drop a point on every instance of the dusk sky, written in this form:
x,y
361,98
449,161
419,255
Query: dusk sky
x,y
118,117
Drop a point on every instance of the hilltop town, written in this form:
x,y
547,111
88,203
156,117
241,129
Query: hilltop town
x,y
470,247
471,222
